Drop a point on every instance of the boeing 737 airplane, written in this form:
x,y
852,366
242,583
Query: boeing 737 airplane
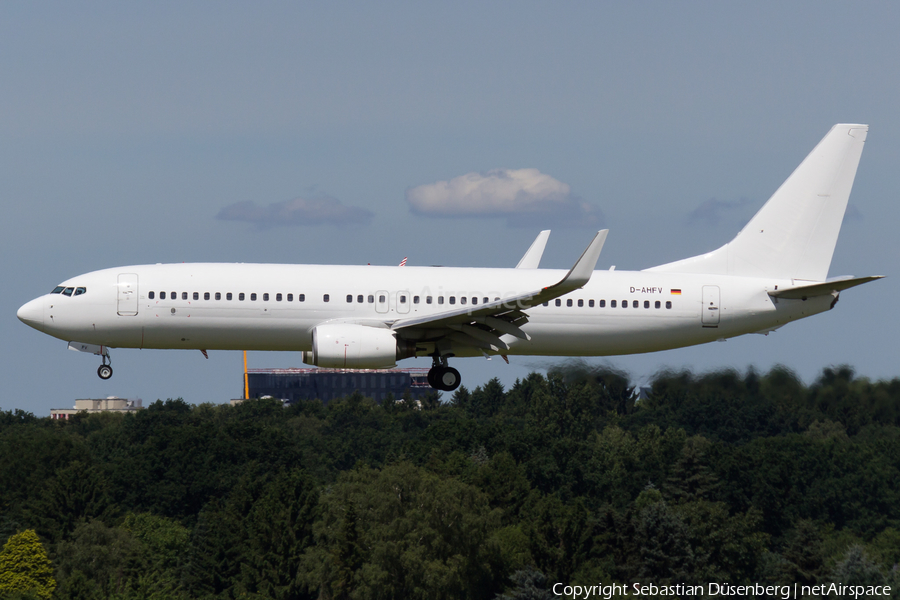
x,y
360,317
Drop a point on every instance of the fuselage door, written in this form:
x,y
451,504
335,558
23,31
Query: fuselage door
x,y
127,304
710,309
381,301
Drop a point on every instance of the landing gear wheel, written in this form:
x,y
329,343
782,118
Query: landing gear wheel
x,y
449,379
104,371
432,380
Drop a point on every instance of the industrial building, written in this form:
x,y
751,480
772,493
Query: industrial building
x,y
292,385
95,405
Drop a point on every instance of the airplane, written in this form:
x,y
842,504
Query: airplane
x,y
773,272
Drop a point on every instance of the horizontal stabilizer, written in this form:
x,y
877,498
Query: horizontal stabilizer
x,y
822,289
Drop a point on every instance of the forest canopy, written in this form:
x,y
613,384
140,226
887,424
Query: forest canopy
x,y
575,476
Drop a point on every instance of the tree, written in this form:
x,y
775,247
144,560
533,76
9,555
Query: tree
x,y
856,568
25,566
78,493
278,530
412,535
528,585
96,561
664,548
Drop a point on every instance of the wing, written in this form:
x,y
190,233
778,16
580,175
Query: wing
x,y
482,326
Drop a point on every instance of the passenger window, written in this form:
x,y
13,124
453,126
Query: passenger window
x,y
546,304
266,297
603,304
440,299
415,299
326,298
218,295
57,290
359,298
485,300
196,295
580,303
646,304
452,299
290,297
162,295
206,295
474,300
657,304
150,295
462,300
349,298
228,296
402,299
569,302
427,299
173,296
184,295
80,290
253,296
277,297
668,304
635,304
558,302
241,296
612,303
382,298
301,297
591,303
371,299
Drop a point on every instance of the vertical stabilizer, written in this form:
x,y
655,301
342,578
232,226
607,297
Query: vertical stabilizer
x,y
793,235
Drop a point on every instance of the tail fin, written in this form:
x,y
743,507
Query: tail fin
x,y
793,235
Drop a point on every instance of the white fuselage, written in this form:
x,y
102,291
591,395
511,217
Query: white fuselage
x,y
187,306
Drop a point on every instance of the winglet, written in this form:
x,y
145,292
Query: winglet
x,y
581,271
532,258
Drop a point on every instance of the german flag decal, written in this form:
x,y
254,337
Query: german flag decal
x,y
676,292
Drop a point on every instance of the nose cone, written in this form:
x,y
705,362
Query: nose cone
x,y
32,313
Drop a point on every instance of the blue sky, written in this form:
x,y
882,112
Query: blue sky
x,y
170,132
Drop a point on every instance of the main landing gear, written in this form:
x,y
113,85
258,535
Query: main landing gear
x,y
442,376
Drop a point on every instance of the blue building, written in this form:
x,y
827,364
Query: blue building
x,y
291,385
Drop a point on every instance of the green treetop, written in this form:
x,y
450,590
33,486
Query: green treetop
x,y
25,567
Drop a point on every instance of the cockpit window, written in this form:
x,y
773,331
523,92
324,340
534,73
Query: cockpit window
x,y
68,291
80,290
58,289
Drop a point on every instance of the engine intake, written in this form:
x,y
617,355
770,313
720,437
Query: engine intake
x,y
348,346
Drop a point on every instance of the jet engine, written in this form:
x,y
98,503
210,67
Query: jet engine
x,y
348,346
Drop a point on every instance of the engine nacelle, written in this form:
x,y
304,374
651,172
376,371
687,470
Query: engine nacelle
x,y
348,346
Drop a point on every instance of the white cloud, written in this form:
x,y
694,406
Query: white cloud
x,y
524,197
299,211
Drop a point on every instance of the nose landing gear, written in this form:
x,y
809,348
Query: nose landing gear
x,y
105,370
441,376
